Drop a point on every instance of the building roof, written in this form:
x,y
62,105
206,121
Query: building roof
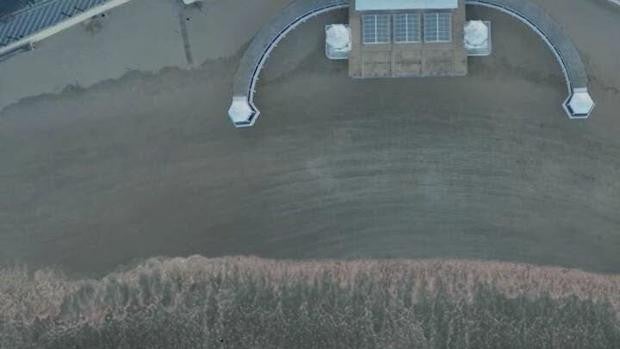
x,y
378,5
16,26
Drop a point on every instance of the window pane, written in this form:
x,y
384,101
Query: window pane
x,y
369,29
445,27
413,27
437,27
383,28
407,27
430,26
400,27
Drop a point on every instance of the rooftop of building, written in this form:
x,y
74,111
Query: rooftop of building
x,y
37,15
407,47
378,5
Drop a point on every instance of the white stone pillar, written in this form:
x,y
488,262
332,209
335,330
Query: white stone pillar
x,y
580,104
241,113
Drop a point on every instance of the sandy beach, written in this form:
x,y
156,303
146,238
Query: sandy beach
x,y
137,157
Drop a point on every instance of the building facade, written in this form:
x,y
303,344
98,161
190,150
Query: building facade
x,y
407,38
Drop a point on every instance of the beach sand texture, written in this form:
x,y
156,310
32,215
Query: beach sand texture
x,y
137,157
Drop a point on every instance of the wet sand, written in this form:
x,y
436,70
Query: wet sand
x,y
482,167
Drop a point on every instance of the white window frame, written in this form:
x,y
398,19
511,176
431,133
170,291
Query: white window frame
x,y
436,16
407,16
376,17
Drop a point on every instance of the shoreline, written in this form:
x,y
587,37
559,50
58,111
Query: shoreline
x,y
149,164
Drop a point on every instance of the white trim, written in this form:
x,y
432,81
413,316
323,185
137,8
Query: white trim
x,y
389,5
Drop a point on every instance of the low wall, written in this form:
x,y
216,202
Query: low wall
x,y
243,112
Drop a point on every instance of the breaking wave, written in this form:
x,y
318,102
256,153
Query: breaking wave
x,y
245,302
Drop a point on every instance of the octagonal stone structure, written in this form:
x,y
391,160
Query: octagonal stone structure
x,y
580,104
241,112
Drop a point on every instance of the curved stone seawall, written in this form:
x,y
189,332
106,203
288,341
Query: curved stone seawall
x,y
244,113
